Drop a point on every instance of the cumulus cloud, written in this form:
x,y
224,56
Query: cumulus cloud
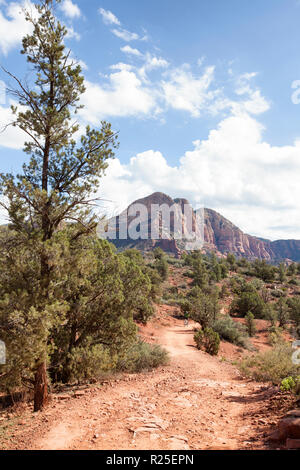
x,y
10,137
255,103
131,51
70,9
186,92
152,62
13,26
234,171
125,35
135,90
108,17
122,95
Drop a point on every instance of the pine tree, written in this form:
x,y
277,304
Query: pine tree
x,y
200,274
57,184
282,272
250,323
283,314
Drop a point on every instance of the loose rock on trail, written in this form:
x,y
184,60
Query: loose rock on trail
x,y
196,402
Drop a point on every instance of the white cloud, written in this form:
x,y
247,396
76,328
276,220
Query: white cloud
x,y
151,63
183,91
234,171
13,26
83,65
132,91
122,95
131,51
125,35
255,103
11,137
72,34
108,17
121,66
70,9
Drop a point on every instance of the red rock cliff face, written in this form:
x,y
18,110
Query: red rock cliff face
x,y
220,235
287,249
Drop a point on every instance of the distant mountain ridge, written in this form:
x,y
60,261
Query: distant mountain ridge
x,y
220,236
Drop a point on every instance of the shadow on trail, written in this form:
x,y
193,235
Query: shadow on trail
x,y
255,397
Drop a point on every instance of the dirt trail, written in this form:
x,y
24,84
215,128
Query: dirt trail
x,y
196,402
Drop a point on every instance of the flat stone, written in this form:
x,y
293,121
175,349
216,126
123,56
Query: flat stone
x,y
180,438
295,413
79,394
293,444
63,397
143,429
289,427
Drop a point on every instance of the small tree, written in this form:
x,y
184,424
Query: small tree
x,y
282,312
56,186
224,291
250,323
292,269
231,261
294,313
282,272
248,302
162,267
271,314
264,271
158,253
200,275
203,309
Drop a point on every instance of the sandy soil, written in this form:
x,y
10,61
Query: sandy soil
x,y
196,402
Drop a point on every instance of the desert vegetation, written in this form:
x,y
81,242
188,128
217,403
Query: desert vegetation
x,y
77,310
227,296
68,302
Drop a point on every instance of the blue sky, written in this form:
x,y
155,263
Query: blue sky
x,y
200,92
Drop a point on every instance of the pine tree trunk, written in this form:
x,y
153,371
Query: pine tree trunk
x,y
40,387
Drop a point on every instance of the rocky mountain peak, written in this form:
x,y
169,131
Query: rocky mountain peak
x,y
220,235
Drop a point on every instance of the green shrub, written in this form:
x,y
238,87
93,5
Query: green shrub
x,y
294,306
209,340
177,263
231,331
271,366
282,312
202,308
162,268
270,314
183,286
224,291
291,384
277,293
199,339
264,271
90,363
250,324
275,335
248,302
143,356
177,302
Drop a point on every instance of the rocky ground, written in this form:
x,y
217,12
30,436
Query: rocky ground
x,y
196,402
